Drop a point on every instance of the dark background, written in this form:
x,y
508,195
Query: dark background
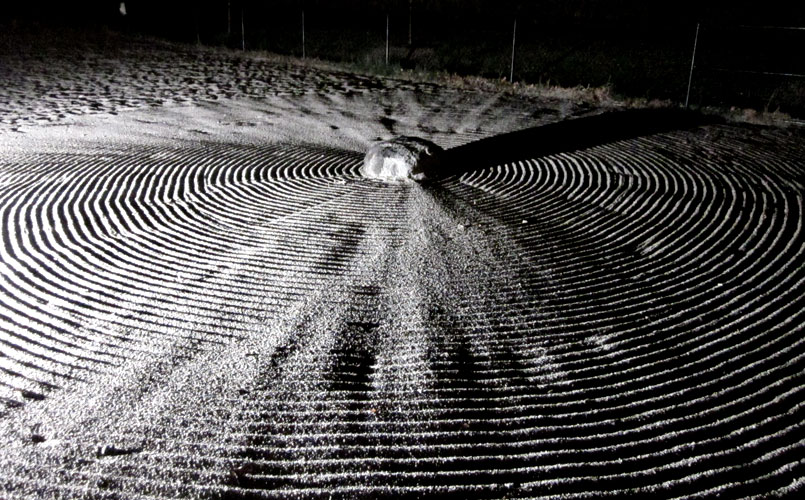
x,y
156,14
636,48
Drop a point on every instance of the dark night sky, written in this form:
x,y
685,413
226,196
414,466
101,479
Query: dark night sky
x,y
154,13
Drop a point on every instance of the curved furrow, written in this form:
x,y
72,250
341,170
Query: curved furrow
x,y
261,322
71,280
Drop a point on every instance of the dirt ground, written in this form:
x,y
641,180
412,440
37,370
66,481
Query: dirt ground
x,y
201,298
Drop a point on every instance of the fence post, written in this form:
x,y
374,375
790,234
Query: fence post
x,y
196,22
387,39
410,16
303,33
692,62
514,37
242,32
228,20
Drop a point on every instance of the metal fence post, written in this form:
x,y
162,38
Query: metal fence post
x,y
692,63
242,32
514,37
387,39
303,34
196,22
410,22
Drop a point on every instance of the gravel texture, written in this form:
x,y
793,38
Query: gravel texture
x,y
205,299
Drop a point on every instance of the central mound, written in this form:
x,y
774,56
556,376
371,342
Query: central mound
x,y
403,159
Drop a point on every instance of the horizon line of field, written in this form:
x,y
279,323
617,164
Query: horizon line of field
x,y
508,58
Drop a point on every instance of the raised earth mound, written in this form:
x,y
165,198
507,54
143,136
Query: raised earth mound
x,y
403,159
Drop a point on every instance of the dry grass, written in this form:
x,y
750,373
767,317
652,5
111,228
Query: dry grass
x,y
774,118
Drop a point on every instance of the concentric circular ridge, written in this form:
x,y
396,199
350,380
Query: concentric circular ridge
x,y
621,320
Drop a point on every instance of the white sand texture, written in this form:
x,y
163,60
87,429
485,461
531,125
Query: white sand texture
x,y
201,296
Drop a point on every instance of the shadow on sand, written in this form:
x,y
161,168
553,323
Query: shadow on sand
x,y
566,136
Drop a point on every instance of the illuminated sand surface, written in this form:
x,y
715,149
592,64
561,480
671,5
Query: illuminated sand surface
x,y
207,300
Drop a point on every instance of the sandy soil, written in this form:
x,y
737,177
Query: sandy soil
x,y
199,296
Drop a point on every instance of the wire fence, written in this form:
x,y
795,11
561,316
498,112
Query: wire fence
x,y
734,65
750,66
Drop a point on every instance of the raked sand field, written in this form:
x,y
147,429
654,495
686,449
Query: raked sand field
x,y
201,298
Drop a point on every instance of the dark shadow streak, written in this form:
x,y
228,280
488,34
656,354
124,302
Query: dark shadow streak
x,y
566,136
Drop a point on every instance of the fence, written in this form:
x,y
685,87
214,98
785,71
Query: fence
x,y
733,64
749,66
